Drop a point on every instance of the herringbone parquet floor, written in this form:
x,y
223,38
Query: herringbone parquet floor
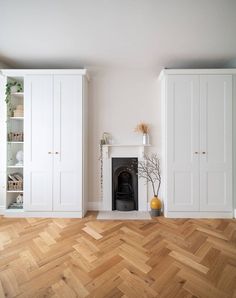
x,y
90,258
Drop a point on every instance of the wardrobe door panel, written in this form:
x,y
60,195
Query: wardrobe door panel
x,y
67,143
38,129
216,143
182,143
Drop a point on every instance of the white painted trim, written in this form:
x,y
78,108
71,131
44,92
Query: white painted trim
x,y
190,71
2,210
23,72
197,214
19,213
95,206
234,145
85,145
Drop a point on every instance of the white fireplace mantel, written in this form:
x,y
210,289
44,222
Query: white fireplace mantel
x,y
122,150
110,148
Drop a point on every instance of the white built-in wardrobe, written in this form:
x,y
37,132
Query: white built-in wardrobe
x,y
198,142
55,143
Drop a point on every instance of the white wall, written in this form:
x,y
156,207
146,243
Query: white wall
x,y
118,100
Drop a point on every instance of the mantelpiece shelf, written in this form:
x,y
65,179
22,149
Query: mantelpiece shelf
x,y
108,148
127,145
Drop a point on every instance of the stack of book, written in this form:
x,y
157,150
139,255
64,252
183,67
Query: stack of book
x,y
16,205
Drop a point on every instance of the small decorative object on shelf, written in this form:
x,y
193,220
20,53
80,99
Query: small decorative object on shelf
x,y
20,158
149,169
19,199
18,204
19,111
106,139
143,128
15,136
15,182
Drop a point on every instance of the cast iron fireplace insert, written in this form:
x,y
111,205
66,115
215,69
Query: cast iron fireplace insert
x,y
124,183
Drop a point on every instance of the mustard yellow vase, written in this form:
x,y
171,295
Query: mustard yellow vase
x,y
155,205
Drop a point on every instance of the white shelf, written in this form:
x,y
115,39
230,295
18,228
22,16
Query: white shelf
x,y
15,142
15,191
16,118
15,167
14,210
18,94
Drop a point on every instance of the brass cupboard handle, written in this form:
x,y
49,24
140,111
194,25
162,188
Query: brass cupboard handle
x,y
203,152
49,152
196,152
56,152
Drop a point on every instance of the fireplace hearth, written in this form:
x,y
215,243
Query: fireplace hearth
x,y
124,184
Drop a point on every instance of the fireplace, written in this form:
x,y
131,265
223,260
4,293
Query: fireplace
x,y
125,152
124,183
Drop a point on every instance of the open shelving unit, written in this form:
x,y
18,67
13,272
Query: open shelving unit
x,y
14,126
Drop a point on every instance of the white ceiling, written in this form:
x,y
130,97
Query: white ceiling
x,y
117,33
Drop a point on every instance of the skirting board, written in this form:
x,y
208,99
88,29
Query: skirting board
x,y
188,214
43,214
95,206
2,209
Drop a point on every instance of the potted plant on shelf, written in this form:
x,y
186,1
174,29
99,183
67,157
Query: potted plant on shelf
x,y
143,128
12,87
149,169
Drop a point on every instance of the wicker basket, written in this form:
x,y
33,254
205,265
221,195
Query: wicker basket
x,y
16,137
15,185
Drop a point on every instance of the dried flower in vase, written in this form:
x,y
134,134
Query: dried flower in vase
x,y
142,127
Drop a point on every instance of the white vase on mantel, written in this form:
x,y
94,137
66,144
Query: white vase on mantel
x,y
145,139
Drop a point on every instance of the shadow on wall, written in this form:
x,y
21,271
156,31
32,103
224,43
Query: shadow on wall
x,y
199,64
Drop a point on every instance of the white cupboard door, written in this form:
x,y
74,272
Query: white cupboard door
x,y
182,143
67,143
216,143
38,130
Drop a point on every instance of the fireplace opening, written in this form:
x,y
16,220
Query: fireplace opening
x,y
124,184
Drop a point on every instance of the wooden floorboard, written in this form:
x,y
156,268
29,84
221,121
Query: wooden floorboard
x,y
90,258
